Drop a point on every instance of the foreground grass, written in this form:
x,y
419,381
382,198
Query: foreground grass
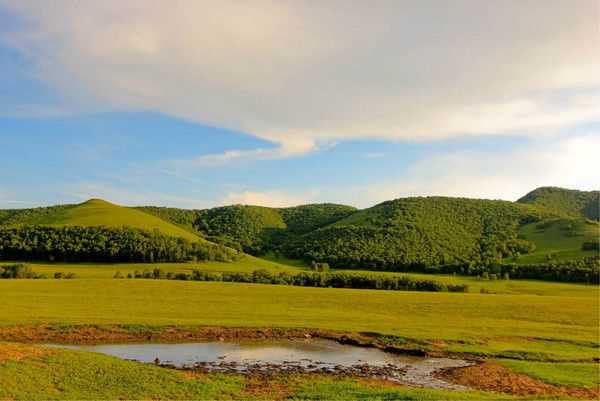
x,y
71,375
560,374
348,390
517,326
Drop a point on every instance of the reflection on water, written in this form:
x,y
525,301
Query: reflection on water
x,y
300,351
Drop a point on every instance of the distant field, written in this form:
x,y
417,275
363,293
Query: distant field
x,y
527,326
103,271
561,240
249,264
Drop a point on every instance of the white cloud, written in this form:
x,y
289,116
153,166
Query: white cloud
x,y
277,198
298,72
290,148
570,163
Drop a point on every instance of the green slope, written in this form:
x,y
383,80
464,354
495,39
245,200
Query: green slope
x,y
559,239
96,212
565,202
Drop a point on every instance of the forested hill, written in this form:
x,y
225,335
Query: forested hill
x,y
547,225
99,231
253,229
414,233
567,202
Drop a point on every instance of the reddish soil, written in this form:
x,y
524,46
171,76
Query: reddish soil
x,y
114,334
15,352
490,376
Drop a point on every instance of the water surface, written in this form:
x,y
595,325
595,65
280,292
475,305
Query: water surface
x,y
310,355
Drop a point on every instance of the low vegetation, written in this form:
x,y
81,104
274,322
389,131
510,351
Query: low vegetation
x,y
328,280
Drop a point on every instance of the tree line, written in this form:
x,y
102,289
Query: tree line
x,y
306,279
104,245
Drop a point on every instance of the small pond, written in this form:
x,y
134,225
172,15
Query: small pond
x,y
314,355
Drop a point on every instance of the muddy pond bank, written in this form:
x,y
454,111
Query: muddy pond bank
x,y
288,357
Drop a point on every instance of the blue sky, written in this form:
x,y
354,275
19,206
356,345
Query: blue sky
x,y
280,103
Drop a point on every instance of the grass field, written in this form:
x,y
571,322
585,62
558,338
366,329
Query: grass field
x,y
249,264
96,212
246,263
560,374
523,326
560,239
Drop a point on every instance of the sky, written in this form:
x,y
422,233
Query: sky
x,y
198,104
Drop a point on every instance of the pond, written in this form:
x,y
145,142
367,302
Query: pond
x,y
314,355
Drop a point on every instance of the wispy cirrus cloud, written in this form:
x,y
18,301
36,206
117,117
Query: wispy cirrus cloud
x,y
85,190
287,149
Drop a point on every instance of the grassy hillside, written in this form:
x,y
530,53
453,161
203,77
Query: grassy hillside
x,y
565,202
16,216
559,239
96,212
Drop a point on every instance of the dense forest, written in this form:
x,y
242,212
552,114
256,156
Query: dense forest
x,y
103,244
566,202
414,233
253,229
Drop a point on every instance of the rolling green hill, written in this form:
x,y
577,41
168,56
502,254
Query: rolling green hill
x,y
96,212
16,216
565,202
559,239
433,234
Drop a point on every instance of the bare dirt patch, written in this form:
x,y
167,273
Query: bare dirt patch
x,y
96,334
491,376
17,352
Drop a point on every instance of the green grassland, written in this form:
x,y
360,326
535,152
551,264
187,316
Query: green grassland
x,y
248,264
561,374
548,330
519,326
96,212
559,239
245,264
66,375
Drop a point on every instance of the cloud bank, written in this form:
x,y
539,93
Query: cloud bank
x,y
300,73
